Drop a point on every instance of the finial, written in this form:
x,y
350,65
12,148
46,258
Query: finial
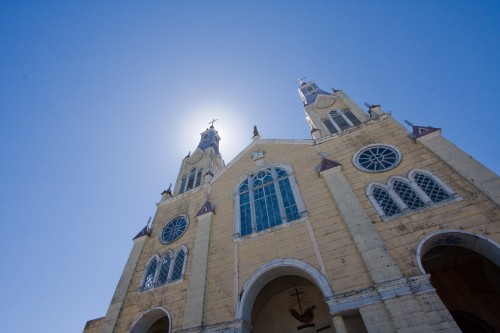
x,y
300,80
212,122
189,154
408,123
149,220
322,155
255,131
335,90
368,105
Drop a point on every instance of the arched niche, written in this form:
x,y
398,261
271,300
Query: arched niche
x,y
156,320
274,270
464,269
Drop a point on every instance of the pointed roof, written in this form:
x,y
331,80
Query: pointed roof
x,y
207,208
328,164
419,131
146,231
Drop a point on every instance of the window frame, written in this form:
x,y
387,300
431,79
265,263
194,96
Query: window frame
x,y
173,256
356,155
302,213
185,217
410,181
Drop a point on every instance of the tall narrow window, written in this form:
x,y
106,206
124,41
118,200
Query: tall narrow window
x,y
340,120
407,194
267,199
431,188
191,177
165,267
385,201
178,266
149,279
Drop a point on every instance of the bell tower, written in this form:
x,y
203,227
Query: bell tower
x,y
204,163
331,113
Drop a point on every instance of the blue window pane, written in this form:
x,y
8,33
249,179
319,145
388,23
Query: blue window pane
x,y
173,230
244,186
291,210
406,193
245,215
267,212
178,266
150,275
431,188
165,266
385,201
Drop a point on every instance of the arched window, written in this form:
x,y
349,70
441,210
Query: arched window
x,y
384,200
179,264
401,195
436,190
149,277
170,269
407,194
340,120
165,268
266,199
191,180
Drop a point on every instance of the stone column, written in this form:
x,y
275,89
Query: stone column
x,y
405,311
121,290
195,300
479,175
338,324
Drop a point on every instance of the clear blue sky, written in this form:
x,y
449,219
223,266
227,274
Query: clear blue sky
x,y
100,101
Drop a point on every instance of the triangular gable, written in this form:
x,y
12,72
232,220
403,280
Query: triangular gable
x,y
207,208
146,231
419,131
328,164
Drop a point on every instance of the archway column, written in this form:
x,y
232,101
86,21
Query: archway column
x,y
405,312
339,324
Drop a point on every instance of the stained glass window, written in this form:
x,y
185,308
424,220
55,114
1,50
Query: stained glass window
x,y
407,194
377,158
150,275
178,266
165,267
431,188
266,199
174,230
340,120
385,201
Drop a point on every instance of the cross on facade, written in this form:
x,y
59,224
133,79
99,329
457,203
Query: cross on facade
x,y
212,122
300,80
298,293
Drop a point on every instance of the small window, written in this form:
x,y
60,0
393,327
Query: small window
x,y
431,188
340,120
377,158
171,269
174,230
149,282
407,194
385,201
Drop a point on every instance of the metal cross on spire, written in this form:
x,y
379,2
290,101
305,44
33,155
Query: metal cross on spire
x,y
300,80
212,122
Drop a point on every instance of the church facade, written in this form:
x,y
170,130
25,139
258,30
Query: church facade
x,y
366,227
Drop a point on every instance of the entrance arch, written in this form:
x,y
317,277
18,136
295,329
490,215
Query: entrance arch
x,y
464,269
274,279
156,320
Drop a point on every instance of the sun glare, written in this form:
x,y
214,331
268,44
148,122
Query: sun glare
x,y
235,131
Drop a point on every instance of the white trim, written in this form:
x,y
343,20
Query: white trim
x,y
145,274
270,271
170,221
149,317
444,187
469,240
359,167
180,249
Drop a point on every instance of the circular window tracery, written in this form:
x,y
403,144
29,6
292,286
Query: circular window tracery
x,y
377,158
174,230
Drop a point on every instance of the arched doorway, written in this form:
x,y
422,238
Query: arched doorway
x,y
285,295
465,271
156,320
